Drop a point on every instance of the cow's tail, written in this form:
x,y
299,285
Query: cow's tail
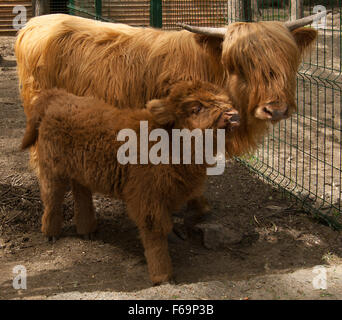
x,y
40,104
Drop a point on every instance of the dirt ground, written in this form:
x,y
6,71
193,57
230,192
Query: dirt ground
x,y
262,246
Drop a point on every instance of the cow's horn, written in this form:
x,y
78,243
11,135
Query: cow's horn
x,y
214,32
220,32
292,25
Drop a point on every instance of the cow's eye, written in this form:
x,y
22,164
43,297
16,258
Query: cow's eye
x,y
196,109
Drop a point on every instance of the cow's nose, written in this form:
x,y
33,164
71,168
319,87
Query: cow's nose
x,y
272,111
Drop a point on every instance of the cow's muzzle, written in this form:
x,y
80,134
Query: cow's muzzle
x,y
273,111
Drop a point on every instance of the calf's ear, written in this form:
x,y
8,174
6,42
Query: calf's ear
x,y
161,113
304,38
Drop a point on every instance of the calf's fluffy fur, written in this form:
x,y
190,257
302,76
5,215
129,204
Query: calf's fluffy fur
x,y
77,146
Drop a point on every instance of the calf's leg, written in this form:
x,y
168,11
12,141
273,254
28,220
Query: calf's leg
x,y
84,210
157,255
154,223
52,193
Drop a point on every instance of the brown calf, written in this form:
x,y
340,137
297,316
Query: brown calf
x,y
77,145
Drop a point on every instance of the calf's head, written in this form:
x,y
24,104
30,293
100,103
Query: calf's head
x,y
195,105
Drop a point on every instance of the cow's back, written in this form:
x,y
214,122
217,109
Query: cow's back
x,y
123,65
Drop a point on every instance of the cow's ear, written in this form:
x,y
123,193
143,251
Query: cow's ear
x,y
304,38
161,113
210,43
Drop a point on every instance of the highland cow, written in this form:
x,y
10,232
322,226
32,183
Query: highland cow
x,y
77,145
255,63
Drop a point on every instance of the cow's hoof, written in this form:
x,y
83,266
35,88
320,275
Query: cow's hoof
x,y
88,236
199,218
173,237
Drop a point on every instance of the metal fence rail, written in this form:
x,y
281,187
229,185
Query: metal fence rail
x,y
302,155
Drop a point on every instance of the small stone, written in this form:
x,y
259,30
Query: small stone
x,y
215,236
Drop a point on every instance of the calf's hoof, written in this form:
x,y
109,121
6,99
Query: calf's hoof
x,y
86,230
88,236
52,230
162,279
52,239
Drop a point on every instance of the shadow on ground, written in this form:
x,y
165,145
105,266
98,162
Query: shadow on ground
x,y
275,237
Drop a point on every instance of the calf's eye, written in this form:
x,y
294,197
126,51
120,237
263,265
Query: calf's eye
x,y
196,109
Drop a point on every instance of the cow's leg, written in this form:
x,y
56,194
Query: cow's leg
x,y
52,193
84,210
200,205
200,212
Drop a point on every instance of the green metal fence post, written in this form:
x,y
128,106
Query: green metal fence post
x,y
156,13
71,5
98,9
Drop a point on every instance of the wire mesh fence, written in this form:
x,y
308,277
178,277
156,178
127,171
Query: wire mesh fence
x,y
134,12
51,6
302,155
59,6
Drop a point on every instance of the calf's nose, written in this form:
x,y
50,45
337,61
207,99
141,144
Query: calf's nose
x,y
229,119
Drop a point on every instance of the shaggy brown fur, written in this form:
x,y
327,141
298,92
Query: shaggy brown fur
x,y
127,66
255,63
77,144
